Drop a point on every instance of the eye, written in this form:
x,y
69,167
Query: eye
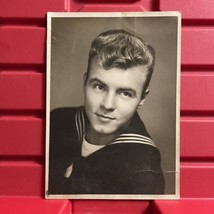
x,y
99,87
126,94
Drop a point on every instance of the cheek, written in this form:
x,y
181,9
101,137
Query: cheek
x,y
127,109
91,98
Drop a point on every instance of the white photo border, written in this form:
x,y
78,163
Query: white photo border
x,y
51,15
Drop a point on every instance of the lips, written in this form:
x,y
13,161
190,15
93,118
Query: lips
x,y
105,117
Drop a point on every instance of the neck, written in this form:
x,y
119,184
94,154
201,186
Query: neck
x,y
99,138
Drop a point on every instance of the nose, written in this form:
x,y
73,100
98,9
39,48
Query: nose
x,y
108,101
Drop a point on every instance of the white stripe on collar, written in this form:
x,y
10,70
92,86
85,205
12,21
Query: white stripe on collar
x,y
80,123
133,138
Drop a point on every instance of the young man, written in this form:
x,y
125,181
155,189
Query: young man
x,y
104,147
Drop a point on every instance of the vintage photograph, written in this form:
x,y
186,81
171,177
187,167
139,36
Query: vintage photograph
x,y
113,105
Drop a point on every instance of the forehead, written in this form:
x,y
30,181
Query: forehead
x,y
134,77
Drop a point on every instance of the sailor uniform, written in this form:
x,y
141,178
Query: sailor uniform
x,y
128,165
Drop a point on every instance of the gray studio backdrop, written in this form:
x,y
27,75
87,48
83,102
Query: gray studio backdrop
x,y
70,43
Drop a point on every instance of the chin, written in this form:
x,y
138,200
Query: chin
x,y
102,130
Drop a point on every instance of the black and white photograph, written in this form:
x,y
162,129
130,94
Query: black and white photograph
x,y
113,105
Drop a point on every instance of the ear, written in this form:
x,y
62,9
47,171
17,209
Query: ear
x,y
143,98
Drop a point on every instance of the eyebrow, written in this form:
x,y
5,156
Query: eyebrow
x,y
119,89
97,80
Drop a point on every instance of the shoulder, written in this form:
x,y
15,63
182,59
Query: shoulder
x,y
66,127
142,169
137,155
64,116
64,112
128,157
135,167
62,127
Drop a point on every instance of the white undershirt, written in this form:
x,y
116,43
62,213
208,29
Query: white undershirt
x,y
88,148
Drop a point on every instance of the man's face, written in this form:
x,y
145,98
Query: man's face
x,y
112,97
